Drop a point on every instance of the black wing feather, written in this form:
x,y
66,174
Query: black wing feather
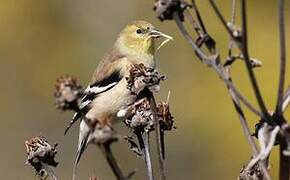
x,y
89,96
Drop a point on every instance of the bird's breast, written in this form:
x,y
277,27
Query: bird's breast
x,y
106,106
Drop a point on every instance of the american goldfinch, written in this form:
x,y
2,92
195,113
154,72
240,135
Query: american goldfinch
x,y
108,93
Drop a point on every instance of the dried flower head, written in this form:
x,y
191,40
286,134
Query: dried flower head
x,y
141,77
164,116
142,116
68,91
166,8
40,155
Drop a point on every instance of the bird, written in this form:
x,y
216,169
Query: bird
x,y
108,93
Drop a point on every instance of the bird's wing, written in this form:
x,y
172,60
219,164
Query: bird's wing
x,y
107,75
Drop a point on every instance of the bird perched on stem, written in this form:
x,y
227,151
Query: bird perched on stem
x,y
108,92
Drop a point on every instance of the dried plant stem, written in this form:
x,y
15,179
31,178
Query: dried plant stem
x,y
143,138
235,95
248,63
159,138
233,19
284,167
210,61
282,73
243,46
106,149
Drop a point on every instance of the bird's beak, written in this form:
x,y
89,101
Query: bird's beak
x,y
156,34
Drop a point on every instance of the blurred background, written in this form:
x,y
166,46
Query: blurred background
x,y
42,40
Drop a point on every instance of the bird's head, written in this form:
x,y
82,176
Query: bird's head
x,y
139,37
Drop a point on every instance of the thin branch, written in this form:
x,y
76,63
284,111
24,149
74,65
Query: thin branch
x,y
286,100
198,16
233,19
222,19
106,149
247,61
159,138
267,141
244,123
244,48
282,58
235,95
209,61
235,99
143,138
284,169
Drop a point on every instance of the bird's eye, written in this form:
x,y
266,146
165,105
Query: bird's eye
x,y
139,31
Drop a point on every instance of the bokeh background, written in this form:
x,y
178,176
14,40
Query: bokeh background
x,y
42,40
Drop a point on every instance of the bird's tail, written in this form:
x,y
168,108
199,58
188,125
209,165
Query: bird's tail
x,y
84,133
76,116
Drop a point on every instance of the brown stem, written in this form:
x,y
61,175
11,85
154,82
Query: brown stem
x,y
282,58
143,138
209,61
106,149
284,170
158,137
243,46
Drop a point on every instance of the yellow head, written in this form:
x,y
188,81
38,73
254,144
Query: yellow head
x,y
138,38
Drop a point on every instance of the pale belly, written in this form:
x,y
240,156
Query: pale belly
x,y
106,106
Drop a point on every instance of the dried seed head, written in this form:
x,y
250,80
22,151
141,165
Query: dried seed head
x,y
165,9
165,118
141,77
67,92
142,117
40,155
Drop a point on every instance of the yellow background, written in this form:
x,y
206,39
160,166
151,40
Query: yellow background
x,y
41,40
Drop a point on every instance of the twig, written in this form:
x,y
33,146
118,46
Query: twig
x,y
235,95
266,144
209,61
282,58
233,19
106,149
284,163
286,100
284,168
143,138
248,64
159,137
243,46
